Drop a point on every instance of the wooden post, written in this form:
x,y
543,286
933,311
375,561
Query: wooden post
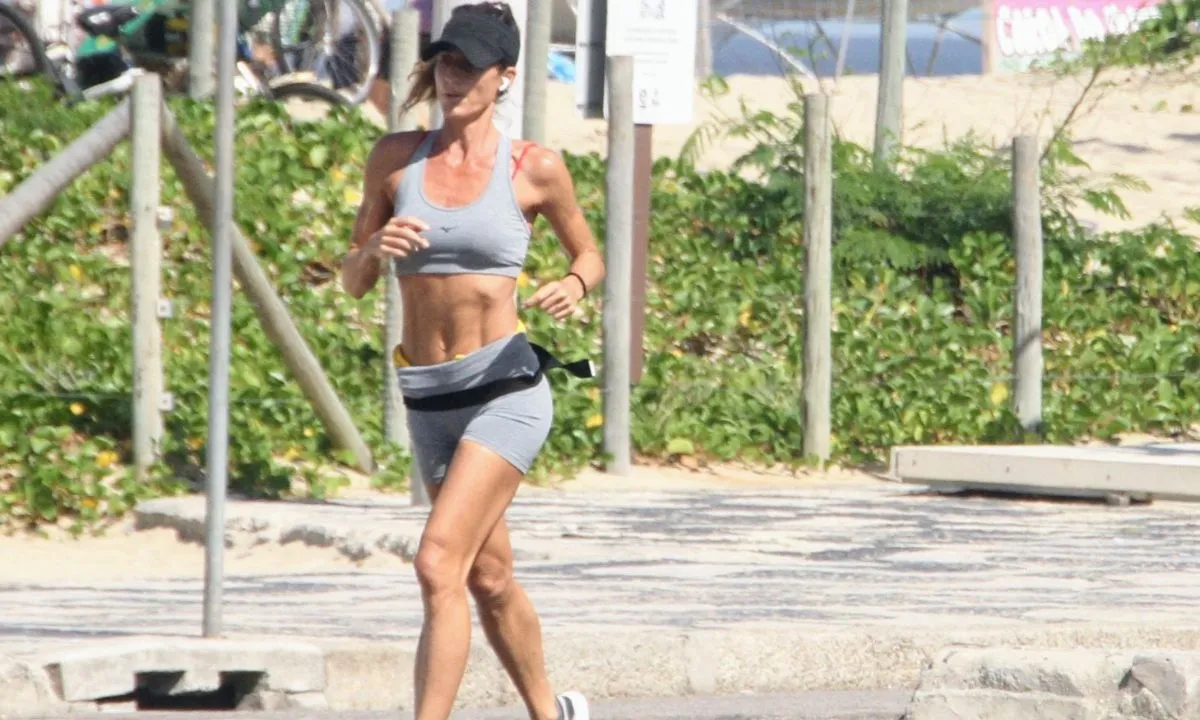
x,y
1027,328
890,104
201,48
145,260
406,37
618,250
271,310
146,267
643,164
38,191
818,281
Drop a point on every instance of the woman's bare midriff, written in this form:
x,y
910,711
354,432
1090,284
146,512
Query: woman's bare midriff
x,y
447,316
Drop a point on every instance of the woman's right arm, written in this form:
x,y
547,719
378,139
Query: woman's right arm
x,y
361,267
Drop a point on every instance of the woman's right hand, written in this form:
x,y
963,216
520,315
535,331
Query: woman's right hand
x,y
399,238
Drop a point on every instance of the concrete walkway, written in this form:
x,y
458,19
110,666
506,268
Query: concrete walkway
x,y
848,586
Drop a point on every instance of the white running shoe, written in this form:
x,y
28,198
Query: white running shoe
x,y
572,706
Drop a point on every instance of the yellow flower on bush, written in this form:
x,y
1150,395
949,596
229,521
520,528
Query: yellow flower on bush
x,y
106,458
999,393
76,272
352,196
594,421
78,408
523,280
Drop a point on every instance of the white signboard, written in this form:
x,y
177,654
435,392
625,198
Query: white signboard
x,y
661,37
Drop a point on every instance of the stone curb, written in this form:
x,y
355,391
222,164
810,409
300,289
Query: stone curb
x,y
244,530
349,674
1070,684
245,527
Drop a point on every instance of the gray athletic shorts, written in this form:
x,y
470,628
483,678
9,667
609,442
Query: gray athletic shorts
x,y
514,426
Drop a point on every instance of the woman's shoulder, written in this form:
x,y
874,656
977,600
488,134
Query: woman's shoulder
x,y
395,151
537,162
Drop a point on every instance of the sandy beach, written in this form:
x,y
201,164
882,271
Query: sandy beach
x,y
1150,127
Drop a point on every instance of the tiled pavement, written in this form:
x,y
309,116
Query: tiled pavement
x,y
844,556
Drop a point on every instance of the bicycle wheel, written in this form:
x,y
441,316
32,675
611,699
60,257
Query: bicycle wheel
x,y
307,101
337,41
21,51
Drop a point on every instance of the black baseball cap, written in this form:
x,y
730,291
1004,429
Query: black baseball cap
x,y
484,38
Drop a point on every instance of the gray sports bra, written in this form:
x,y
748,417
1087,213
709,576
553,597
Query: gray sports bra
x,y
489,236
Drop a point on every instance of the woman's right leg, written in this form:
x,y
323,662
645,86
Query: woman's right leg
x,y
478,488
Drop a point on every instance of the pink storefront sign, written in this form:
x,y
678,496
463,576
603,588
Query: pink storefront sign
x,y
1027,30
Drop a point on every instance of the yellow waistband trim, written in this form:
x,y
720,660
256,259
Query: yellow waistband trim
x,y
401,360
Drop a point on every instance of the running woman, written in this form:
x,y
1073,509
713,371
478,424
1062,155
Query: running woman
x,y
453,209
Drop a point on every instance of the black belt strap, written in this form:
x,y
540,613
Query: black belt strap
x,y
497,388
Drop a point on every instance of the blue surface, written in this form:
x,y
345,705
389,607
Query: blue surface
x,y
735,53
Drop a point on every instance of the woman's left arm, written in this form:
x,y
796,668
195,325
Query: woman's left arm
x,y
557,203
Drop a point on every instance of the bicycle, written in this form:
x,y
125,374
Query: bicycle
x,y
125,39
21,50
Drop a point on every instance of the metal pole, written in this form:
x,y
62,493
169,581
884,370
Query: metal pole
x,y
618,248
704,58
537,44
146,264
406,36
200,48
818,280
1027,330
222,301
38,191
440,14
643,172
889,107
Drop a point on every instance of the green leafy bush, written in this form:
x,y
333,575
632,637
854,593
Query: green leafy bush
x,y
922,311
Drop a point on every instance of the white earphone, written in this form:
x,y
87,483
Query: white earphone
x,y
504,84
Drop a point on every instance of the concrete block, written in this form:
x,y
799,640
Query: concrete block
x,y
1166,470
264,701
365,675
83,708
110,670
1098,684
1066,673
997,705
619,663
1163,684
307,701
26,690
287,667
771,660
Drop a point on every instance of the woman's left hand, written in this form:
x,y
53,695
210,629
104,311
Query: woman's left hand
x,y
559,298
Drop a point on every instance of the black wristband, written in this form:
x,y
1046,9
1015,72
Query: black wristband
x,y
582,284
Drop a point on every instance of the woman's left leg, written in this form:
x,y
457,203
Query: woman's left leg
x,y
511,624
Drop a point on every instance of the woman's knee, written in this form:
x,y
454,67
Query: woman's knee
x,y
490,577
439,569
